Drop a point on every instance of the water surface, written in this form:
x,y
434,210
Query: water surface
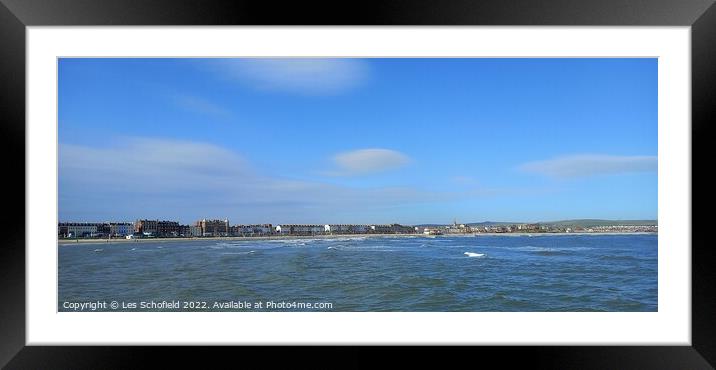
x,y
485,273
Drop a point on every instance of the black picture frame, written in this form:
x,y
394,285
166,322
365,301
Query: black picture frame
x,y
16,15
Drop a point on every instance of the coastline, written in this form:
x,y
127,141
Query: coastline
x,y
66,242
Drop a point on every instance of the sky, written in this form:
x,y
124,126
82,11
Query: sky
x,y
407,141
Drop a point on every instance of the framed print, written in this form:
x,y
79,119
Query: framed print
x,y
418,174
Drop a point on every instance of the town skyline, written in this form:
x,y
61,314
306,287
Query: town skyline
x,y
357,141
454,221
146,228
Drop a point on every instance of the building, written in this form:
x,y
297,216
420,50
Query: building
x,y
77,229
346,229
456,228
338,229
184,230
432,231
121,228
214,227
94,229
300,229
157,228
392,229
194,231
103,229
168,228
251,230
145,226
380,229
359,229
62,230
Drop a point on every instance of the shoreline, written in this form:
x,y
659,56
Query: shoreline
x,y
339,236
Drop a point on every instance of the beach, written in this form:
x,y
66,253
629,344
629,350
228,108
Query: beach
x,y
323,236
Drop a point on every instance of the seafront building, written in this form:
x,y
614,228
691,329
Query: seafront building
x,y
338,229
146,228
157,228
346,229
300,229
214,227
77,229
121,228
194,230
251,230
94,229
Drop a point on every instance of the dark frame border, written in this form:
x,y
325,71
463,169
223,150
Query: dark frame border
x,y
15,15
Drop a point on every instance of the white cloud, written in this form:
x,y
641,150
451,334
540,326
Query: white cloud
x,y
184,180
150,158
367,161
590,165
199,105
299,76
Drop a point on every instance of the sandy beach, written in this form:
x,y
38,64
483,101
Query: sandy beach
x,y
236,238
288,237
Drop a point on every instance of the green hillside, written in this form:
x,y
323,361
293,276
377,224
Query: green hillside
x,y
595,223
585,223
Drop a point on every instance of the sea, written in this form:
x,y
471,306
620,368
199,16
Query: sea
x,y
498,273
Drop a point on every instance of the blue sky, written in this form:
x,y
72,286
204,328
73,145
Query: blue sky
x,y
357,140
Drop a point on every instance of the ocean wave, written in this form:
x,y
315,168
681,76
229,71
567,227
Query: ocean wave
x,y
298,242
237,253
377,246
549,253
466,246
618,258
529,248
473,254
368,248
242,243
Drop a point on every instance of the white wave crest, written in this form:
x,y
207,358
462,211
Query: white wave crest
x,y
472,254
229,253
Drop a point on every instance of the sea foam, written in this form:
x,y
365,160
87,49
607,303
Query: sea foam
x,y
471,254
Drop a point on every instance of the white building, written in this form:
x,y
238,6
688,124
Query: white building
x,y
78,229
121,228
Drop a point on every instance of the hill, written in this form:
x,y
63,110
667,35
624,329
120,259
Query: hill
x,y
596,222
585,223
